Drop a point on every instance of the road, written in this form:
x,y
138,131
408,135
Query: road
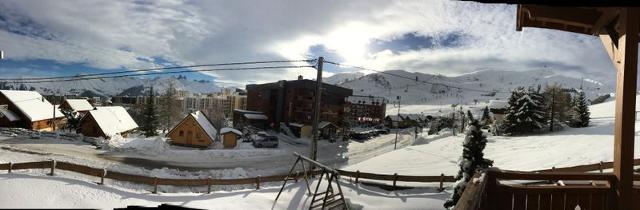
x,y
254,161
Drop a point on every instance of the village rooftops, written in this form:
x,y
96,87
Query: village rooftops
x,y
205,124
32,104
79,105
113,120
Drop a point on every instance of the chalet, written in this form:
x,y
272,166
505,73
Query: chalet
x,y
395,121
230,137
327,130
195,130
300,130
106,122
242,118
80,106
28,109
498,108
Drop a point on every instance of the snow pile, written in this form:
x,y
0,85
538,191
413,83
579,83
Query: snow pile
x,y
151,145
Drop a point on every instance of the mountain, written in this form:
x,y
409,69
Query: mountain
x,y
115,86
342,77
463,89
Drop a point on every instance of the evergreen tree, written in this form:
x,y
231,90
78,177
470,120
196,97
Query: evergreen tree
x,y
486,119
525,112
150,115
472,159
581,110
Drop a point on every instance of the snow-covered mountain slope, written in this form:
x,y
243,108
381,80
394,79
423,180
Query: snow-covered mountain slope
x,y
342,77
116,86
473,86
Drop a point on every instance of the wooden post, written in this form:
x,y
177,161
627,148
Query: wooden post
x,y
441,182
295,179
258,182
316,113
10,166
155,185
209,185
395,178
357,176
53,167
104,173
601,166
625,105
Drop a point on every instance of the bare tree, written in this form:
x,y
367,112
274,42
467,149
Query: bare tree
x,y
170,108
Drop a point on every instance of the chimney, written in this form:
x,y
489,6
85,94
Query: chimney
x,y
299,77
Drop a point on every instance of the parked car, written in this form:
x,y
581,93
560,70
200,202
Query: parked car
x,y
262,139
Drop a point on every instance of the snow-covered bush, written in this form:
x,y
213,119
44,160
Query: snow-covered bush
x,y
471,161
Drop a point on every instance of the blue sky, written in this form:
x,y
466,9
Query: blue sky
x,y
68,37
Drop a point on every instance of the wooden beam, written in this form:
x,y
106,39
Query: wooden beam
x,y
624,133
583,17
607,17
611,47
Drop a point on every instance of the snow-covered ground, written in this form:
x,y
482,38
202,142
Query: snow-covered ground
x,y
572,146
427,155
21,190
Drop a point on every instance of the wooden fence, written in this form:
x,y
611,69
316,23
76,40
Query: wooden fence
x,y
155,181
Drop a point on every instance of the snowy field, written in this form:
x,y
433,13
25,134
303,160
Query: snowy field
x,y
572,146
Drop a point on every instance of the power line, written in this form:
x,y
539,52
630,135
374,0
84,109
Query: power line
x,y
156,69
173,72
412,79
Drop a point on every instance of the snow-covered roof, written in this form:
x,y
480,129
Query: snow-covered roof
x,y
32,104
79,104
414,116
4,111
113,119
227,130
205,124
296,125
255,116
498,104
394,118
323,124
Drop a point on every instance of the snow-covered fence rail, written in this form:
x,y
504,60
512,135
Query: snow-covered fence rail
x,y
395,177
586,168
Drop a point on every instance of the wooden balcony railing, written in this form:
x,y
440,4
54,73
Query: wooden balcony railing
x,y
512,190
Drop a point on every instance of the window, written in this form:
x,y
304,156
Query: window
x,y
181,133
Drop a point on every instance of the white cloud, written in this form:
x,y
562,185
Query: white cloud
x,y
110,34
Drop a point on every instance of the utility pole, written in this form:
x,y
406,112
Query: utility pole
x,y
316,111
395,145
553,104
53,120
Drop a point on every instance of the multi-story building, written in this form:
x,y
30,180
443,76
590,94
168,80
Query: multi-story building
x,y
365,110
292,101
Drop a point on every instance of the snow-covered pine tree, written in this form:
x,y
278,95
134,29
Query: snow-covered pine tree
x,y
581,110
511,123
472,159
486,119
150,123
525,112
